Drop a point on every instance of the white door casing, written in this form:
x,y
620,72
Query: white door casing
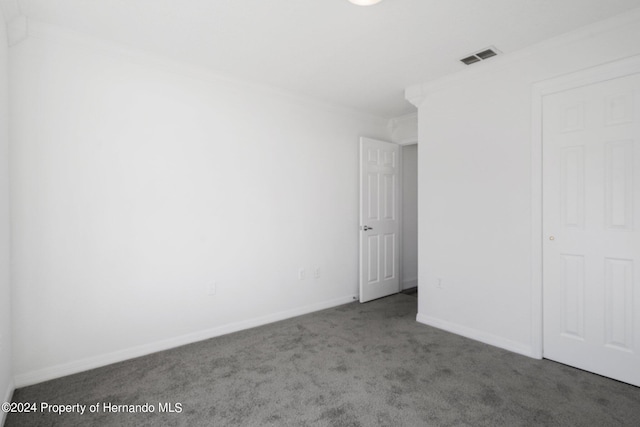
x,y
591,216
379,274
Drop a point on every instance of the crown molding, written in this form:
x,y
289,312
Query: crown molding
x,y
52,33
404,129
416,94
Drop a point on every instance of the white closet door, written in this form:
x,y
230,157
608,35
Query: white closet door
x,y
591,216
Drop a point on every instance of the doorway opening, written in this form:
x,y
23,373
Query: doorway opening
x,y
388,219
409,238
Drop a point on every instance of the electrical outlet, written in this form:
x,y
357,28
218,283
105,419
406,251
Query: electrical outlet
x,y
302,274
316,273
211,289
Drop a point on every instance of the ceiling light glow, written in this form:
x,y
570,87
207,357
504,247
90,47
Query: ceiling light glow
x,y
365,2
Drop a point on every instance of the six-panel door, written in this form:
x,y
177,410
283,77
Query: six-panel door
x,y
379,219
591,215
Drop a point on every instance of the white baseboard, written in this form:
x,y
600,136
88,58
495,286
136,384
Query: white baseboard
x,y
477,335
30,378
7,398
409,283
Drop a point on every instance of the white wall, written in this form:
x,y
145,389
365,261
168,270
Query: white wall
x,y
409,216
475,184
6,374
138,182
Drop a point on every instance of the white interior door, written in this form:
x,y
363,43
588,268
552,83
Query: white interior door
x,y
591,216
379,219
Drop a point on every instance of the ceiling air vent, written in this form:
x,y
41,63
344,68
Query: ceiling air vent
x,y
480,55
470,59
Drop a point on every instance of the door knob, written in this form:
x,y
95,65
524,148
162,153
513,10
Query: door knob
x,y
552,238
367,228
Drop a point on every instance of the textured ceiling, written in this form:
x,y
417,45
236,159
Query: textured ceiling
x,y
358,57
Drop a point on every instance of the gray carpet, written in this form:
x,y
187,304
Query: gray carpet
x,y
354,365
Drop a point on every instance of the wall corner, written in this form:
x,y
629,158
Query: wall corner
x,y
404,129
415,95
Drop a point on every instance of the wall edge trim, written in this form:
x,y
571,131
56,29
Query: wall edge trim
x,y
81,365
477,335
7,398
147,58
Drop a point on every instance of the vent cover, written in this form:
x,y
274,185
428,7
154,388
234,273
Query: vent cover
x,y
470,60
480,55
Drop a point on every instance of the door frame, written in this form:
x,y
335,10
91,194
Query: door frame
x,y
608,71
